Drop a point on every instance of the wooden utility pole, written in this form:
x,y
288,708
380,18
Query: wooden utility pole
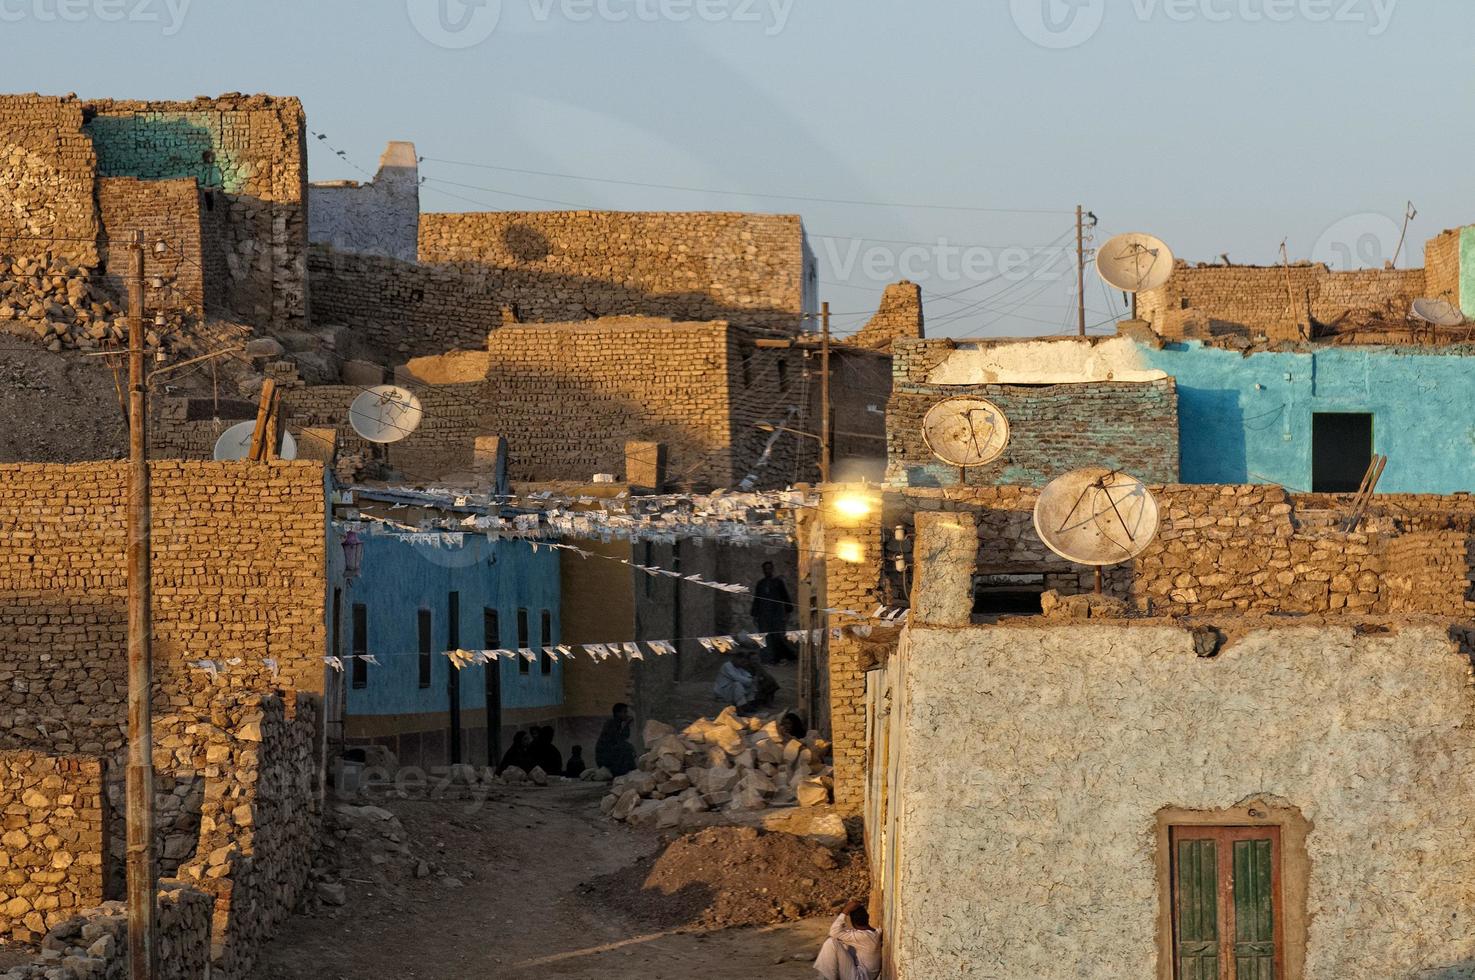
x,y
140,775
824,395
1081,267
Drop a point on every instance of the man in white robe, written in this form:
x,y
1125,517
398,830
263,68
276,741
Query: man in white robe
x,y
853,951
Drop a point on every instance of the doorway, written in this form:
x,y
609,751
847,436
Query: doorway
x,y
492,640
1341,450
453,673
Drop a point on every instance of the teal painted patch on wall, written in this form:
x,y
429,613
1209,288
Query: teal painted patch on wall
x,y
1467,270
1248,419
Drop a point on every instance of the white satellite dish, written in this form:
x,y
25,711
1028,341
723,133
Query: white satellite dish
x,y
235,443
385,414
1439,312
966,431
1135,262
1096,517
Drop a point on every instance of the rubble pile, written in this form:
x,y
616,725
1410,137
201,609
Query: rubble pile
x,y
731,762
63,306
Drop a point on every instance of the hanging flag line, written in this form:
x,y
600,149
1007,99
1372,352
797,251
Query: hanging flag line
x,y
720,504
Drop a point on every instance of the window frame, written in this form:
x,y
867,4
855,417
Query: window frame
x,y
359,669
523,637
425,631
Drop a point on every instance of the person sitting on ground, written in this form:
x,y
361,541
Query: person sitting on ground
x,y
545,754
792,726
853,951
576,765
735,684
613,751
517,756
764,686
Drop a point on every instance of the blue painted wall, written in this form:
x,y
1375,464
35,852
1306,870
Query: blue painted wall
x,y
398,579
1248,419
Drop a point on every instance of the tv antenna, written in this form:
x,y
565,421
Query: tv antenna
x,y
1096,517
966,431
235,443
386,413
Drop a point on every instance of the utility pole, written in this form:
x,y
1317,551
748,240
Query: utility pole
x,y
1081,267
140,782
824,395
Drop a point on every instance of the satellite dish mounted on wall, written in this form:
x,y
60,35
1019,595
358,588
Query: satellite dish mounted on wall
x,y
235,443
385,414
1439,312
1135,262
966,431
1096,517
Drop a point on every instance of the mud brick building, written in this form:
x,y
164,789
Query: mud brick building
x,y
240,582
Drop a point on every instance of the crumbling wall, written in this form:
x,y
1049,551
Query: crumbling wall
x,y
239,574
381,217
1036,760
46,180
899,318
51,851
1442,263
1273,302
1054,429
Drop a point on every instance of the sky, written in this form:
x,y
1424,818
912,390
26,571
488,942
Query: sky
x,y
948,143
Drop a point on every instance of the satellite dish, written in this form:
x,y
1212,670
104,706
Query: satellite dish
x,y
1135,262
1441,313
235,443
385,414
966,431
1096,517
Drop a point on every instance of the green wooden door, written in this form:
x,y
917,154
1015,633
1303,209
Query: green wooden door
x,y
1226,919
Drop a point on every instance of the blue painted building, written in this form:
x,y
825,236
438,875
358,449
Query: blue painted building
x,y
1302,418
417,596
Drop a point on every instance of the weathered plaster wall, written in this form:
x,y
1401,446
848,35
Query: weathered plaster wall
x,y
1036,760
381,217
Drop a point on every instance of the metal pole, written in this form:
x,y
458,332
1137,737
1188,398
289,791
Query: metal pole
x,y
824,396
140,783
1081,266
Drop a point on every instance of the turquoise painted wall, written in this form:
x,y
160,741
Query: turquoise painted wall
x,y
168,145
398,579
1248,419
1467,270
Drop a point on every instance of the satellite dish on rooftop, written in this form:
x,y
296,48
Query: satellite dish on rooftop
x,y
1135,262
1096,517
385,414
235,443
1439,312
966,431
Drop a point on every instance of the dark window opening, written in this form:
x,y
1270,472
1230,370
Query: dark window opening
x,y
209,201
522,641
650,559
1007,602
783,375
1341,450
360,675
425,623
491,630
545,662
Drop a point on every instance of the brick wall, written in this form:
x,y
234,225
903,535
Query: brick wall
x,y
1054,429
46,179
1442,266
164,210
899,318
239,573
51,849
1254,301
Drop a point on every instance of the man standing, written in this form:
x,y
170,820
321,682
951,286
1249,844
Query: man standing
x,y
614,751
771,609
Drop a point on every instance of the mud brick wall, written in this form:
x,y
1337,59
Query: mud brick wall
x,y
239,573
1442,266
164,210
248,155
1255,301
1054,429
46,179
748,269
1430,572
899,318
51,849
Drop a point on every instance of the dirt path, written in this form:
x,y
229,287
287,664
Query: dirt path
x,y
513,907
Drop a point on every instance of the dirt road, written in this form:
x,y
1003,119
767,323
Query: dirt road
x,y
512,907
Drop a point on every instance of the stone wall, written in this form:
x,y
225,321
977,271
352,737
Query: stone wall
x,y
46,179
1256,301
239,573
899,318
1054,429
381,217
51,851
1039,766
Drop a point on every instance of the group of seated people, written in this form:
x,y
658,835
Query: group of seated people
x,y
534,749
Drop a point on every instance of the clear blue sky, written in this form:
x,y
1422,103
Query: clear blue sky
x,y
1221,125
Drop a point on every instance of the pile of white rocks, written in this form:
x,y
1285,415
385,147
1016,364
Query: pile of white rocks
x,y
731,762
